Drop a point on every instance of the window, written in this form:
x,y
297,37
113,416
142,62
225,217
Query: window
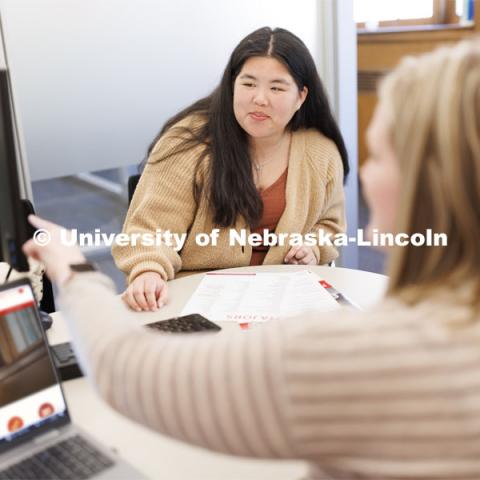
x,y
372,14
22,331
380,10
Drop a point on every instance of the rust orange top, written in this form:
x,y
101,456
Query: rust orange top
x,y
274,203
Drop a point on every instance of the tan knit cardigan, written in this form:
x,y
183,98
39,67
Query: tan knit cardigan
x,y
164,200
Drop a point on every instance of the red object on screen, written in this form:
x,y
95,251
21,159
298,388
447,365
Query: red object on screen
x,y
14,424
45,410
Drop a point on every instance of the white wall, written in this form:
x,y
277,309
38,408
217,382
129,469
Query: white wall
x,y
95,79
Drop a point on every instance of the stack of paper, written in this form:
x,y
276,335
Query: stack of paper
x,y
258,297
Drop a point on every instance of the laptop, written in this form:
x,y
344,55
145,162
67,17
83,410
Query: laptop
x,y
37,437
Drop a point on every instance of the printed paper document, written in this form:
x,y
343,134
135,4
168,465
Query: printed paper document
x,y
258,297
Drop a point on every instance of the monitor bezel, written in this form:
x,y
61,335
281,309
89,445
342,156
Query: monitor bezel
x,y
17,222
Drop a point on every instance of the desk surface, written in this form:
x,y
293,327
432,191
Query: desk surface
x,y
160,457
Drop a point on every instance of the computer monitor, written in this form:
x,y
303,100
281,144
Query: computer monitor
x,y
14,229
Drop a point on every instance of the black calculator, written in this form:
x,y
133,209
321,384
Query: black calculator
x,y
193,323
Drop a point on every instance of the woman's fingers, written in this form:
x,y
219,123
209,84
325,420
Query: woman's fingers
x,y
300,255
163,296
129,299
139,296
151,293
147,292
290,257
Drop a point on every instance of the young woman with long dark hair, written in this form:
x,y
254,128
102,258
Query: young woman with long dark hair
x,y
261,154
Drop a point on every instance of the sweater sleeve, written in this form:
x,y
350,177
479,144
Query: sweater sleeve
x,y
219,391
386,394
332,217
163,202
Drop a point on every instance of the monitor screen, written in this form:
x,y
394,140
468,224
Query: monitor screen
x,y
30,393
13,223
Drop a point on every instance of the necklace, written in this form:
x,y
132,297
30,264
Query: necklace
x,y
259,166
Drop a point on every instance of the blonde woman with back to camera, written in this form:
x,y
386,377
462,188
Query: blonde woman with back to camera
x,y
392,393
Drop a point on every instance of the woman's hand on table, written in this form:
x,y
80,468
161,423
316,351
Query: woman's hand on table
x,y
147,292
301,255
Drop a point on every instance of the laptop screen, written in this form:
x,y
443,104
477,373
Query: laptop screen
x,y
31,398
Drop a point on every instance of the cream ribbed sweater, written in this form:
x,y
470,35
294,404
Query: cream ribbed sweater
x,y
389,394
164,199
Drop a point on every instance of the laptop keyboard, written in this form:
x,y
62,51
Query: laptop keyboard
x,y
73,458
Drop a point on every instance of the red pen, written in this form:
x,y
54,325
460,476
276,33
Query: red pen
x,y
339,297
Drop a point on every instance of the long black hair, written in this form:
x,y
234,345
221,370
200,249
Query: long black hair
x,y
230,186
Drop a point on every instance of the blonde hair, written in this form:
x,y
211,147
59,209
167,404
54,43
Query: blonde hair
x,y
433,102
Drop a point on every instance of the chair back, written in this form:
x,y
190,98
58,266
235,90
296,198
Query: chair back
x,y
132,185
